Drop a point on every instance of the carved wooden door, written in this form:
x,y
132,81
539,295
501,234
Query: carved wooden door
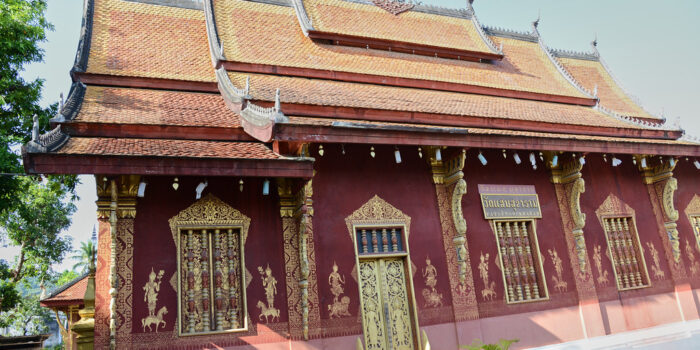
x,y
386,315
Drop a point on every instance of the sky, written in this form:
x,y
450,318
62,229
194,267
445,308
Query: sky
x,y
652,48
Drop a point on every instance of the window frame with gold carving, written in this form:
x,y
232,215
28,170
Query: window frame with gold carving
x,y
613,252
211,217
529,261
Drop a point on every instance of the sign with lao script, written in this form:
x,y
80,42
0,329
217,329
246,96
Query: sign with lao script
x,y
509,202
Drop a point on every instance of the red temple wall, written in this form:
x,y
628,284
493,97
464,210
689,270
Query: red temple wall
x,y
343,184
688,187
154,248
481,238
638,308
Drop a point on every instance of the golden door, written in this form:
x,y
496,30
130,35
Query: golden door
x,y
386,315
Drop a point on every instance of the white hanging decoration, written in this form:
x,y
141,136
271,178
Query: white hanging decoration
x,y
582,160
371,152
555,161
320,150
420,153
533,161
266,187
240,185
504,154
644,162
176,184
517,159
397,155
697,164
672,161
616,161
438,155
342,148
200,188
482,159
142,189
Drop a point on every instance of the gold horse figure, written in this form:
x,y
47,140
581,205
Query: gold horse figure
x,y
157,320
267,312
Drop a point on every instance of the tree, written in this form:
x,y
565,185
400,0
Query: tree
x,y
84,255
33,210
35,224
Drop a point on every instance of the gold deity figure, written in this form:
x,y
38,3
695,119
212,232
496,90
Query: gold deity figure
x,y
430,274
151,290
484,268
336,281
270,284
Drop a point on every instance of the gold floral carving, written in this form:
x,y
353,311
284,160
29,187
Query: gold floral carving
x,y
489,290
296,211
125,275
559,284
694,264
579,220
613,206
151,289
269,283
377,212
209,212
692,212
657,272
598,259
339,307
669,189
432,297
454,228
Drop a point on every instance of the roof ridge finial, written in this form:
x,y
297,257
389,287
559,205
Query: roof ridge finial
x,y
594,44
35,128
470,8
536,23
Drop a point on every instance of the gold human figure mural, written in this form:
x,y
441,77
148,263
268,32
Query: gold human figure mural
x,y
269,282
430,294
598,259
694,264
150,295
489,292
338,308
658,273
559,284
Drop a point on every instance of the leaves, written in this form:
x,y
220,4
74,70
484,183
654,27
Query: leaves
x,y
477,344
84,255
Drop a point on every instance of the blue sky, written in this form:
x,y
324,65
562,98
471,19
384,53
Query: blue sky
x,y
652,47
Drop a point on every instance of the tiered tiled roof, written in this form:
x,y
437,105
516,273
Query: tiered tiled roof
x,y
591,72
188,86
363,22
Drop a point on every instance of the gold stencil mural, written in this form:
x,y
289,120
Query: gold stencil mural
x,y
150,295
339,307
489,291
269,283
694,264
430,294
656,270
559,284
598,259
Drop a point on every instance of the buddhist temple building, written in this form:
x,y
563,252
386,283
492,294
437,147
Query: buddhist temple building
x,y
367,174
68,300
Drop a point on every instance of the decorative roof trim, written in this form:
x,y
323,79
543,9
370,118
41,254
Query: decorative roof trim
x,y
565,73
261,116
579,55
479,29
302,16
429,9
60,289
81,55
72,106
230,91
510,34
216,49
48,142
636,121
617,82
184,4
284,3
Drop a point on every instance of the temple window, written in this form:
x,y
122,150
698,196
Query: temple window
x,y
385,240
518,251
625,252
211,297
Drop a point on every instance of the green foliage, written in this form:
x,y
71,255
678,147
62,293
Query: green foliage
x,y
27,317
65,277
477,344
34,224
84,255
